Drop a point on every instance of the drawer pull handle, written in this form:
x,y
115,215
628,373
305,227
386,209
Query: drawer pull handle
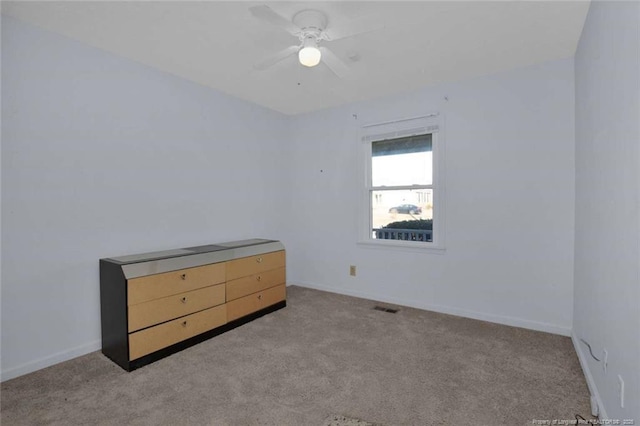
x,y
184,323
259,260
184,300
183,276
259,297
259,278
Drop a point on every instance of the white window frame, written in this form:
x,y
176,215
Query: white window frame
x,y
428,124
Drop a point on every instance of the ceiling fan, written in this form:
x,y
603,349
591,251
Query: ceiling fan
x,y
310,27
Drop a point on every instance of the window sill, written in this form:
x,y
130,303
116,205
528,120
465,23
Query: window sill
x,y
402,246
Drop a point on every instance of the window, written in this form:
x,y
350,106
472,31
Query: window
x,y
403,191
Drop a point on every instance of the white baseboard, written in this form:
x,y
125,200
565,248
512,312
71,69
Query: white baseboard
x,y
31,366
591,384
514,322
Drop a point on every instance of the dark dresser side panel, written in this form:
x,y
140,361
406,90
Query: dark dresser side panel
x,y
113,312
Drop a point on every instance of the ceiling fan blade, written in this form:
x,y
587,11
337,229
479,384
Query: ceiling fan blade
x,y
265,13
280,56
334,63
358,26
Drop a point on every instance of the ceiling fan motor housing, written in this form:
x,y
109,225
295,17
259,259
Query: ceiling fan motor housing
x,y
312,22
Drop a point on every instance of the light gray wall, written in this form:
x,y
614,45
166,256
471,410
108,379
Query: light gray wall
x,y
607,255
102,157
509,201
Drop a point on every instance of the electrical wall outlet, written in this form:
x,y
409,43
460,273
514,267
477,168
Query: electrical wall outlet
x,y
352,270
621,390
605,359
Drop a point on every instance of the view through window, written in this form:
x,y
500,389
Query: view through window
x,y
402,188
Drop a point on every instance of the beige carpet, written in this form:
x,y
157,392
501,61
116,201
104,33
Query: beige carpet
x,y
321,357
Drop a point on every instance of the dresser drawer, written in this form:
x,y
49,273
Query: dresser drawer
x,y
254,264
254,302
166,284
254,283
152,339
160,310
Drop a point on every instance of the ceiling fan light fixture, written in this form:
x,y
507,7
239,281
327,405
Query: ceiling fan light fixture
x,y
309,55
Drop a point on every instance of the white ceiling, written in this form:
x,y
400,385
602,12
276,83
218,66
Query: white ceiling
x,y
217,43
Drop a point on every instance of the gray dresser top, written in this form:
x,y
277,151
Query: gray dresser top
x,y
139,265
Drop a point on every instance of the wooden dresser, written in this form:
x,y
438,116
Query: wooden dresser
x,y
155,304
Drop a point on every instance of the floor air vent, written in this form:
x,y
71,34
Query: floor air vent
x,y
383,309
